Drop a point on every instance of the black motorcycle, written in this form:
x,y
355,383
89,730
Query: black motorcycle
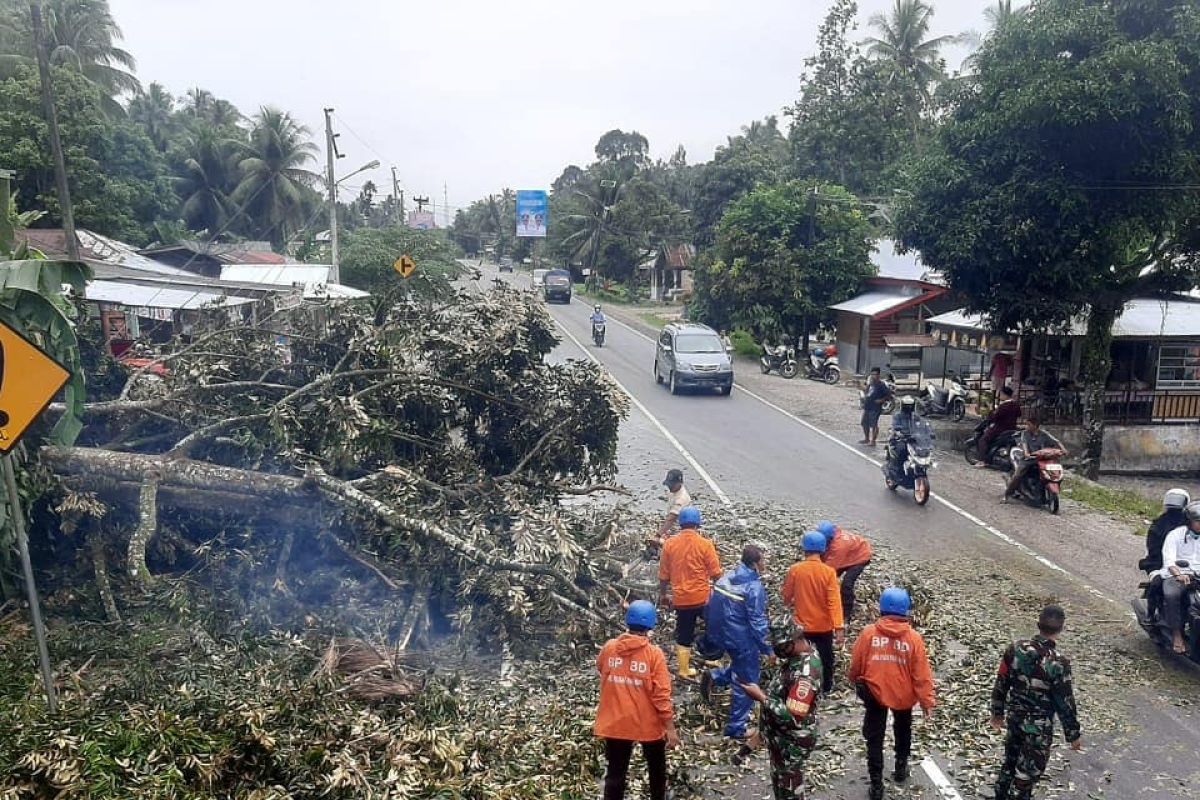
x,y
598,333
998,449
1156,627
909,459
781,359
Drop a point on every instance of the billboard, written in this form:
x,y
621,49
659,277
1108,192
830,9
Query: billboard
x,y
421,220
533,209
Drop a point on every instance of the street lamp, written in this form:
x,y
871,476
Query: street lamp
x,y
335,274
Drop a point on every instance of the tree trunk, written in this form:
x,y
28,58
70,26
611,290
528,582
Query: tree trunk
x,y
1096,364
144,532
100,565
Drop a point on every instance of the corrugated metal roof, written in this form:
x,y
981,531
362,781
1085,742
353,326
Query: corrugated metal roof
x,y
138,296
870,304
1143,318
907,267
277,274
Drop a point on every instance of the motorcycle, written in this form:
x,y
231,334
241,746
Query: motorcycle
x,y
950,401
823,364
909,459
998,454
782,359
1155,626
598,333
1041,487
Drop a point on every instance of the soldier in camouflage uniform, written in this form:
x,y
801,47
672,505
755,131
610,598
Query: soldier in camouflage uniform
x,y
789,707
1034,684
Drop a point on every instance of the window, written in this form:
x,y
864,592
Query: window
x,y
1179,366
699,343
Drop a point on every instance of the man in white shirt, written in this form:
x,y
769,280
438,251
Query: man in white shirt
x,y
1181,544
677,500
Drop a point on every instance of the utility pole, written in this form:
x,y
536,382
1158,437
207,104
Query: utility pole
x,y
331,155
398,194
51,111
421,203
445,205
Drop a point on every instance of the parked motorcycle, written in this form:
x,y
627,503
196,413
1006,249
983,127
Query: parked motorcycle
x,y
1041,486
999,449
1156,627
909,459
781,359
823,364
950,401
598,333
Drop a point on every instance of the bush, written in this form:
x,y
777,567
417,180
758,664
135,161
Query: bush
x,y
744,344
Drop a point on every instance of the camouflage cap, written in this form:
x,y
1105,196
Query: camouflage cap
x,y
784,630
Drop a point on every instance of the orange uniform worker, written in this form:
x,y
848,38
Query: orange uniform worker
x,y
688,566
635,704
811,589
890,670
848,554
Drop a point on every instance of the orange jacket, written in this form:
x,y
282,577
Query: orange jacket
x,y
812,590
635,690
890,658
847,550
690,563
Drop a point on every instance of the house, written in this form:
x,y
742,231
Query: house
x,y
669,273
207,258
885,324
311,279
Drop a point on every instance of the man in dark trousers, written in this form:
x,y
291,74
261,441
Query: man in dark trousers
x,y
1003,419
1033,684
1174,502
877,393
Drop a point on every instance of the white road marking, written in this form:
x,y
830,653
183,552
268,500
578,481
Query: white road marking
x,y
670,437
962,512
939,780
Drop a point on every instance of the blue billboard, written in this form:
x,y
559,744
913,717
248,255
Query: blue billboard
x,y
533,213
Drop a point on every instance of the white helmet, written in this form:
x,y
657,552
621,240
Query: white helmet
x,y
1176,498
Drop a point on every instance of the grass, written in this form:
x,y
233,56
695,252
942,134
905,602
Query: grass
x,y
1123,503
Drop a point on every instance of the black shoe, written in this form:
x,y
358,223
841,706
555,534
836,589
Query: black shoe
x,y
706,683
876,792
901,773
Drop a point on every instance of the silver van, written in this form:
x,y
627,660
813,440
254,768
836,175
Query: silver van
x,y
692,356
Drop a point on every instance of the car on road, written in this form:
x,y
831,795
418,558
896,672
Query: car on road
x,y
692,356
539,275
556,286
506,264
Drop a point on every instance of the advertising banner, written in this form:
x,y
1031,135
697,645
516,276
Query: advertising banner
x,y
533,207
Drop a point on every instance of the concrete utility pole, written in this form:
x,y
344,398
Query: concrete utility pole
x,y
331,155
445,205
51,111
398,193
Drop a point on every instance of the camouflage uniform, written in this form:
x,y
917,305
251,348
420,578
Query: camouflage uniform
x,y
789,740
1033,684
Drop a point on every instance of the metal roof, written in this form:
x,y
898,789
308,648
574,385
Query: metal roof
x,y
1143,318
314,278
872,304
137,296
906,267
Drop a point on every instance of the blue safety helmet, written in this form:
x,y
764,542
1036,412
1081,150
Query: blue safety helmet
x,y
895,602
641,614
827,529
690,517
814,542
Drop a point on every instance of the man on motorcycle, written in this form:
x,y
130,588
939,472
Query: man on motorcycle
x,y
597,316
1002,420
877,393
1033,438
1181,544
1174,502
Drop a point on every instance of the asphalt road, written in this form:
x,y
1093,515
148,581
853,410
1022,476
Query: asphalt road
x,y
753,452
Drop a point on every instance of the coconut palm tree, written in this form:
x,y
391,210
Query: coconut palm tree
x,y
914,61
1002,14
272,168
206,177
153,109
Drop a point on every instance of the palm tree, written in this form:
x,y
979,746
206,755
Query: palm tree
x,y
1002,14
206,177
913,60
198,101
272,174
153,109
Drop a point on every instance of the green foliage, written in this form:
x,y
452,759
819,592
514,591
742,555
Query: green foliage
x,y
367,257
1123,503
119,181
273,175
744,344
784,254
755,157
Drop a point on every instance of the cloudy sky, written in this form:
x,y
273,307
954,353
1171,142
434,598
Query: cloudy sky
x,y
481,94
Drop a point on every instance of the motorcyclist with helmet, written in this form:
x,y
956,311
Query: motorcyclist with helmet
x,y
597,318
1181,544
904,424
1174,502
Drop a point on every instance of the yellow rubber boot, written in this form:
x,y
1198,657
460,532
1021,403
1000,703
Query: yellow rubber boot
x,y
684,656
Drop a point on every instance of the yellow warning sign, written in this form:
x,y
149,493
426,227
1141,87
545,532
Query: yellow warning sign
x,y
405,266
29,379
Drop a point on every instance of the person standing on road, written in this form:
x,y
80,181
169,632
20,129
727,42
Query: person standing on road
x,y
1181,544
789,707
848,554
876,395
811,590
740,600
688,566
677,500
1032,685
890,672
635,704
